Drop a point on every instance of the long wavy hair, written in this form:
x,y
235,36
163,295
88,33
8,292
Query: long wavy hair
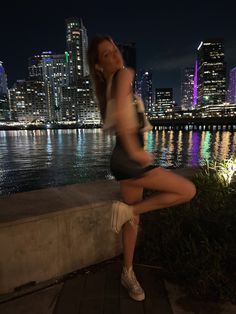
x,y
97,77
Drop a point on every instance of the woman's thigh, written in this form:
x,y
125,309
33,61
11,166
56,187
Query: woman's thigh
x,y
130,193
163,180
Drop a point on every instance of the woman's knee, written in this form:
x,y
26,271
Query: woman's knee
x,y
190,191
182,185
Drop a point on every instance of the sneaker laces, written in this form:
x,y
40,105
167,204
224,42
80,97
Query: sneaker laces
x,y
134,282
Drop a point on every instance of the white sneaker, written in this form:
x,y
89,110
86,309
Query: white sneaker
x,y
130,282
121,213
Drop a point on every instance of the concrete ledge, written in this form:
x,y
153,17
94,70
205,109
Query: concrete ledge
x,y
38,202
47,233
37,245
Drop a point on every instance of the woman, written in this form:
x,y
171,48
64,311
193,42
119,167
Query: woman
x,y
131,165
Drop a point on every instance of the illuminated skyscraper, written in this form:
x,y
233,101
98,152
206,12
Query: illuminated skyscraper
x,y
29,101
232,86
78,104
52,69
77,45
187,89
211,89
144,89
3,80
164,105
4,103
78,98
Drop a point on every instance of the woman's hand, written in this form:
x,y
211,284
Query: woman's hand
x,y
143,158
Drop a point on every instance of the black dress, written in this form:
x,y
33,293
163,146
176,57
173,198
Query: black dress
x,y
121,165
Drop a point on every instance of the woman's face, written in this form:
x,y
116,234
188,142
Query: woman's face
x,y
110,58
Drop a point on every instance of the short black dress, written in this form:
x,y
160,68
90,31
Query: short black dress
x,y
122,167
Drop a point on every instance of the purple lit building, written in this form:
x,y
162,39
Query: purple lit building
x,y
232,86
195,85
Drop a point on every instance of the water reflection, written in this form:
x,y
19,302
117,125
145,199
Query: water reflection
x,y
224,146
194,148
205,145
40,158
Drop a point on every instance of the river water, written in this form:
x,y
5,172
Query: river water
x,y
38,159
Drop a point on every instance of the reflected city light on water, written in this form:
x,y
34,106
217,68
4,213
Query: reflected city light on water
x,y
179,145
41,158
215,148
224,145
194,148
171,147
205,145
49,144
149,141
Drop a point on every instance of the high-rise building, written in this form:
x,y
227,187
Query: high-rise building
x,y
144,89
58,86
40,69
77,45
4,100
78,98
78,104
52,69
59,79
187,89
211,89
28,101
164,105
232,86
3,80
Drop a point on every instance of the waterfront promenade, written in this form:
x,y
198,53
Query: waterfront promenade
x,y
97,290
59,256
174,123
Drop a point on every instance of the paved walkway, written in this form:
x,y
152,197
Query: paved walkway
x,y
95,290
100,292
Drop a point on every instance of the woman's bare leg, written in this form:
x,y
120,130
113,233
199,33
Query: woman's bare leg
x,y
172,190
130,195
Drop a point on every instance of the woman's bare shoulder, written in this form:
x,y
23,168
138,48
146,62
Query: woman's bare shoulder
x,y
125,74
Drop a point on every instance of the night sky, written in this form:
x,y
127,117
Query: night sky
x,y
166,34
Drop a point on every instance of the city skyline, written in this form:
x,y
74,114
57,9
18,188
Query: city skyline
x,y
166,42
